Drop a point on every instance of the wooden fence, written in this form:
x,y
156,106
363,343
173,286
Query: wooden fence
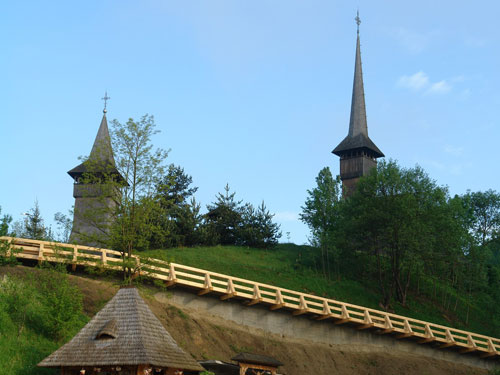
x,y
252,293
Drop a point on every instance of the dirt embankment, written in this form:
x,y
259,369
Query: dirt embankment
x,y
210,337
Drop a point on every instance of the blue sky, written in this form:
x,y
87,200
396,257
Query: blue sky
x,y
251,93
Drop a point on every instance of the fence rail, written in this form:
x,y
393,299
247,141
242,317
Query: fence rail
x,y
252,293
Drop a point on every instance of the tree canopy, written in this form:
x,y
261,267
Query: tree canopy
x,y
405,234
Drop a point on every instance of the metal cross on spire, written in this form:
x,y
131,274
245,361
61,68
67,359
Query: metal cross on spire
x,y
358,20
105,98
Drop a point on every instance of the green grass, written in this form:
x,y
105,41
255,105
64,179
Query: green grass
x,y
287,266
293,267
38,313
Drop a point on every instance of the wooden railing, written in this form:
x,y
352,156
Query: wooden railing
x,y
252,293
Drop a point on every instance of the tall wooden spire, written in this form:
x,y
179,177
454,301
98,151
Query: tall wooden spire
x,y
357,151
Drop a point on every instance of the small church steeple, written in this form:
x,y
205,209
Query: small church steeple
x,y
357,151
96,189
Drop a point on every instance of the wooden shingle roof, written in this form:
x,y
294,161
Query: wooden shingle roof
x,y
124,332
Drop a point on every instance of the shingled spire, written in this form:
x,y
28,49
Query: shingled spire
x,y
357,124
357,151
95,190
102,150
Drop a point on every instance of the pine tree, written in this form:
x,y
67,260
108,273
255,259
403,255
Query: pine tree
x,y
34,226
224,219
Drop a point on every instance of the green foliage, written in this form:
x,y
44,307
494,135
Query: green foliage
x,y
7,254
484,209
4,223
174,187
321,214
142,168
403,233
258,229
228,222
123,208
64,224
33,225
224,218
37,315
178,216
397,220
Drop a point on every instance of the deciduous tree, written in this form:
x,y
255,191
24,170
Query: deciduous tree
x,y
321,214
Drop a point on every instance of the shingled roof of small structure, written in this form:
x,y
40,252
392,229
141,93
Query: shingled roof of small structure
x,y
256,359
124,332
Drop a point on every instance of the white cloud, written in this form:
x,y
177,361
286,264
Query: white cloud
x,y
416,81
441,87
286,216
420,82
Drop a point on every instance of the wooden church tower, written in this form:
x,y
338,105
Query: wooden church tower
x,y
96,190
358,154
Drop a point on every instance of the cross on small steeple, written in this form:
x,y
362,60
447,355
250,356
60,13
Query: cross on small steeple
x,y
358,20
105,98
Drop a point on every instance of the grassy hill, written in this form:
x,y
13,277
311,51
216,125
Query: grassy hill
x,y
294,267
24,339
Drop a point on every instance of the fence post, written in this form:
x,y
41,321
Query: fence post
x,y
302,306
257,298
75,258
172,280
207,287
280,302
230,291
40,253
9,244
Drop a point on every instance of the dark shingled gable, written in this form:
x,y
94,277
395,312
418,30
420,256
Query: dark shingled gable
x,y
140,339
